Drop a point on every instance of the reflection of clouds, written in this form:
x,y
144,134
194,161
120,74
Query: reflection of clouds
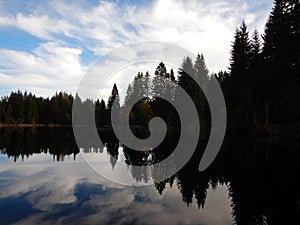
x,y
122,206
54,179
70,193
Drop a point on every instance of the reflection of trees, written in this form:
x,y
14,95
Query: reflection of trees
x,y
262,182
113,150
262,177
138,158
263,188
23,142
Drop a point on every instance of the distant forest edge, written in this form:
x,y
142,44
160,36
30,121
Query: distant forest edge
x,y
261,87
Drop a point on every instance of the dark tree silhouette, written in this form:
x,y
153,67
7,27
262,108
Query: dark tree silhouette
x,y
114,98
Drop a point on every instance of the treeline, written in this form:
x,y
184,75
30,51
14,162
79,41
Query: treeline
x,y
261,86
23,108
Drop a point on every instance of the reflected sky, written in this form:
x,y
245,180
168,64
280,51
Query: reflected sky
x,y
40,191
44,179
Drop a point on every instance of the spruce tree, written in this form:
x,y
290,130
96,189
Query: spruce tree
x,y
280,81
159,79
201,71
240,53
128,95
255,49
114,98
186,73
240,91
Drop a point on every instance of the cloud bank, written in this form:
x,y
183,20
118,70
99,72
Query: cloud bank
x,y
64,38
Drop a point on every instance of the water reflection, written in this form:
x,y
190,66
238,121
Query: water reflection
x,y
19,143
255,181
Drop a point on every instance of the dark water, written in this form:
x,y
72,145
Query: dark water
x,y
45,179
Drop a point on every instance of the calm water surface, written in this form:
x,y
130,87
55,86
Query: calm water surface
x,y
44,179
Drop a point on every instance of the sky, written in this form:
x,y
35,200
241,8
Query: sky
x,y
48,46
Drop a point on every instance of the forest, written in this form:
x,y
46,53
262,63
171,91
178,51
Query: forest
x,y
261,86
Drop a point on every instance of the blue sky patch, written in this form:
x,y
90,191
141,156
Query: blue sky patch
x,y
18,40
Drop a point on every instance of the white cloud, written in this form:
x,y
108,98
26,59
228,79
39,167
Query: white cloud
x,y
70,28
51,67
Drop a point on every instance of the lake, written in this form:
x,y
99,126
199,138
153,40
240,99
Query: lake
x,y
47,179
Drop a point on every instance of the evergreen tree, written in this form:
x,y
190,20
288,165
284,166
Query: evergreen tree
x,y
163,89
102,104
201,71
1,112
43,110
54,110
8,115
159,79
114,98
280,82
223,78
31,109
185,72
255,50
77,113
240,53
172,76
100,113
128,95
147,85
137,85
240,92
16,101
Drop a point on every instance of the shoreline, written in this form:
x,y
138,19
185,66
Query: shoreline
x,y
2,125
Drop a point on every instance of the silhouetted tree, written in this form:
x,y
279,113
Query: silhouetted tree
x,y
159,79
240,92
279,92
16,101
201,71
129,92
185,73
114,98
31,110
